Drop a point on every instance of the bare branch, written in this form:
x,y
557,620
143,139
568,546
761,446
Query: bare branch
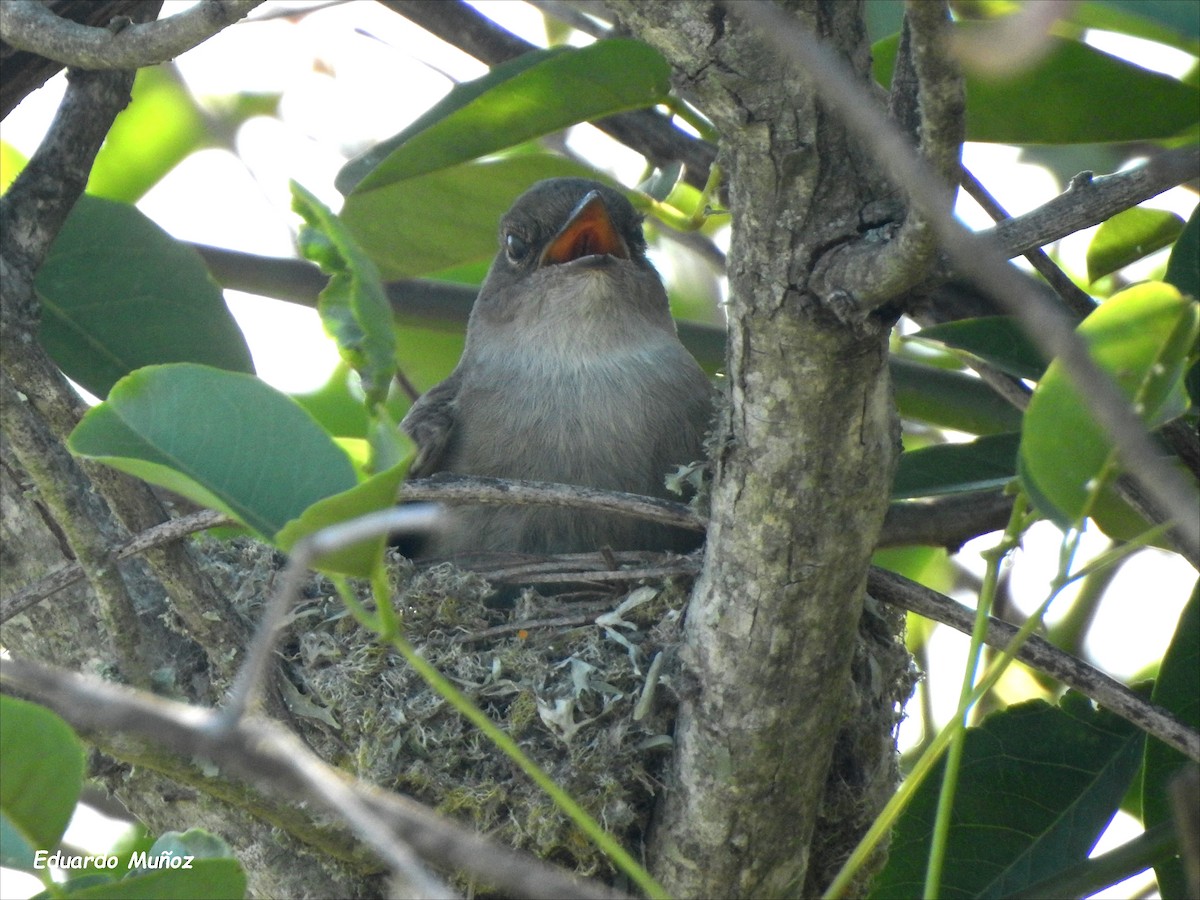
x,y
945,521
163,533
1076,299
271,758
458,489
931,101
976,256
1089,200
28,25
1041,655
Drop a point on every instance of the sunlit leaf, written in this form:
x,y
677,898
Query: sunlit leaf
x,y
535,94
119,293
376,493
1129,236
161,125
225,440
1141,337
448,217
353,306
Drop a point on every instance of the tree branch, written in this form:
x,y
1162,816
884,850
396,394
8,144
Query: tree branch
x,y
976,256
28,25
1041,655
885,271
1089,200
945,521
272,759
459,489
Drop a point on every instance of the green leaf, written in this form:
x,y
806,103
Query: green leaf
x,y
445,218
376,493
207,879
986,462
43,763
947,399
999,340
1174,690
538,93
119,293
1039,784
225,440
161,125
1129,236
1165,21
12,161
1183,267
1141,337
352,305
1041,105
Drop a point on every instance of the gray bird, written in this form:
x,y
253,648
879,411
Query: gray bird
x,y
572,373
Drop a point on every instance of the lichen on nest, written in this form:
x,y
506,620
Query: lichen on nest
x,y
571,682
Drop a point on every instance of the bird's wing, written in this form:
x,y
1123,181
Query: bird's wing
x,y
430,423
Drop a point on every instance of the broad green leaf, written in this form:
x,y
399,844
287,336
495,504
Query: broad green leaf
x,y
987,462
43,763
376,493
225,440
1174,690
161,125
335,406
1141,337
445,218
1041,105
535,94
1183,267
949,399
1038,785
353,306
207,879
1129,236
999,340
119,293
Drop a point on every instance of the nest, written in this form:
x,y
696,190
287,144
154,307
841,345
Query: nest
x,y
586,685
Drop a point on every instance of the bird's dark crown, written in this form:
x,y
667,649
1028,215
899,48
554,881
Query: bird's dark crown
x,y
540,212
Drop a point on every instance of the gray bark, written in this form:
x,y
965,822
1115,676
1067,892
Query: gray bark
x,y
804,459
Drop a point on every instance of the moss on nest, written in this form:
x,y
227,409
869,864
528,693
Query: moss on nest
x,y
566,693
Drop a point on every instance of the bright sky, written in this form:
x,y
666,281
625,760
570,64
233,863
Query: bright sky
x,y
388,72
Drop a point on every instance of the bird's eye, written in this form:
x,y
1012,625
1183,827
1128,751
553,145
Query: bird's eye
x,y
516,247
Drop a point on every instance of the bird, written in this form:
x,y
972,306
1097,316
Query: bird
x,y
572,372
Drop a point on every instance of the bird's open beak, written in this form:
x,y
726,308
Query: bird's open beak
x,y
588,232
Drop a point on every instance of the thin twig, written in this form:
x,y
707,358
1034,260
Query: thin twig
x,y
1041,655
164,533
28,25
1076,299
459,489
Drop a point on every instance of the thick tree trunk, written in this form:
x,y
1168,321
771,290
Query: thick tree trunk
x,y
804,462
